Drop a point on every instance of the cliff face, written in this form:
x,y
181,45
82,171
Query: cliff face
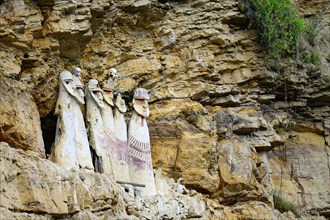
x,y
236,126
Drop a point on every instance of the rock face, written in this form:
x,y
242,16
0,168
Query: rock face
x,y
237,127
35,188
19,118
294,171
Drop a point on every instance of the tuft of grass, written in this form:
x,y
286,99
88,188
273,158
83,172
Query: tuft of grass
x,y
311,56
284,205
326,80
278,23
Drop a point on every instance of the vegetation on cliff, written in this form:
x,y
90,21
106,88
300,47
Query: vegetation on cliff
x,y
284,205
279,25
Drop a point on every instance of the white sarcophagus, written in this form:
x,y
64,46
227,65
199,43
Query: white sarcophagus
x,y
81,139
139,155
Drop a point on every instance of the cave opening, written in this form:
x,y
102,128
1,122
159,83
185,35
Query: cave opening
x,y
48,127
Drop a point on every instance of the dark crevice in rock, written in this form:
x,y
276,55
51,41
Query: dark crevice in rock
x,y
198,188
48,127
41,213
321,211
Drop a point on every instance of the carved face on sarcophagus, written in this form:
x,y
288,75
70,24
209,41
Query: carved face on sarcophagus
x,y
108,93
140,102
66,88
96,92
64,152
67,81
120,103
94,107
139,154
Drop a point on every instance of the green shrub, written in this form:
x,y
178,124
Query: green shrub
x,y
311,57
278,24
284,205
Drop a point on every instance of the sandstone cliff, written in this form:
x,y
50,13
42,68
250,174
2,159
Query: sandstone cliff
x,y
236,126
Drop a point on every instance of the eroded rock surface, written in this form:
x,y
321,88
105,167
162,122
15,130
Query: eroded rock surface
x,y
235,126
35,188
19,118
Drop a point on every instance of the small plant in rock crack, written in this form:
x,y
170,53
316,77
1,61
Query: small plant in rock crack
x,y
284,205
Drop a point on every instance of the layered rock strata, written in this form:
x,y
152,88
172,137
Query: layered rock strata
x,y
238,128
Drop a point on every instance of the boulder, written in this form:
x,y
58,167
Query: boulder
x,y
19,118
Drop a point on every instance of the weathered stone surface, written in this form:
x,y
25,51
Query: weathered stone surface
x,y
301,178
196,172
30,185
175,157
8,214
19,118
19,22
253,210
211,91
249,123
240,170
